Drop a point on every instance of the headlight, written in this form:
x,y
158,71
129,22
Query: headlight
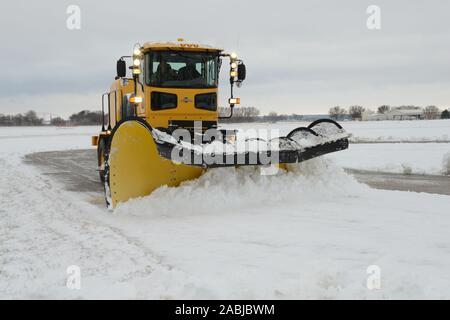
x,y
136,99
234,100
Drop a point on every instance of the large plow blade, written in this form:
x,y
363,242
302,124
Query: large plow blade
x,y
303,143
134,168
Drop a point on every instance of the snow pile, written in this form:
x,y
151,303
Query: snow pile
x,y
252,140
245,187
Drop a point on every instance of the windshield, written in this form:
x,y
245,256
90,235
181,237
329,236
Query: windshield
x,y
182,69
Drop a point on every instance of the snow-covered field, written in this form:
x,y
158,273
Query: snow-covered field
x,y
17,141
416,131
390,155
309,233
373,131
418,158
421,158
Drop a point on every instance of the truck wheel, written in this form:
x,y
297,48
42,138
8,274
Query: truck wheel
x,y
102,150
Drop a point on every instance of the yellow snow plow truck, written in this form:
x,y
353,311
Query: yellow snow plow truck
x,y
162,128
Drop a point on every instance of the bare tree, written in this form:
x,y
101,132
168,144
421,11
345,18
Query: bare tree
x,y
445,114
86,117
336,112
253,112
272,116
383,109
247,112
356,112
431,112
240,114
58,121
30,118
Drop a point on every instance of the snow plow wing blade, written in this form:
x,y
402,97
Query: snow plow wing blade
x,y
320,137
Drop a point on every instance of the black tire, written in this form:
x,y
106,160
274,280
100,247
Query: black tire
x,y
106,188
102,152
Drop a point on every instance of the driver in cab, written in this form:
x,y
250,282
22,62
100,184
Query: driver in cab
x,y
188,72
164,73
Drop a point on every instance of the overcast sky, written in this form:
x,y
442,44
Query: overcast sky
x,y
302,56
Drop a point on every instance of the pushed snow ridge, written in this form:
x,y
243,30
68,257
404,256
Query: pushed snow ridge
x,y
225,188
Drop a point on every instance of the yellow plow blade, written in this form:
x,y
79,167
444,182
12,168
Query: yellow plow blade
x,y
135,168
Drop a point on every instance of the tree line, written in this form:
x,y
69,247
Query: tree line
x,y
240,114
356,112
252,114
31,118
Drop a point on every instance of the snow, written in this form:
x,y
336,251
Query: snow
x,y
424,130
252,141
376,148
233,233
370,131
22,140
420,158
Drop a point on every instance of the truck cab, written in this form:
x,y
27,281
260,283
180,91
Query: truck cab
x,y
169,85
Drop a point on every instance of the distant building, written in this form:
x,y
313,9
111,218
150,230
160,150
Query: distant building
x,y
406,114
395,114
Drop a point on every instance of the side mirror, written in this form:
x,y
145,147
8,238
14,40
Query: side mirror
x,y
121,68
241,72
